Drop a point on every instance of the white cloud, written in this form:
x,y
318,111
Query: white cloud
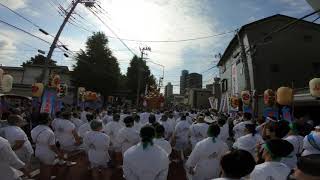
x,y
294,7
15,4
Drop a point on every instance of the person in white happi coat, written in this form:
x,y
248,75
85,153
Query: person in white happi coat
x,y
76,121
9,162
128,136
249,141
272,168
171,120
46,149
97,144
158,116
198,131
308,168
239,129
137,125
85,128
123,115
144,117
167,126
224,129
65,132
83,115
160,140
236,164
297,142
203,162
18,139
180,137
145,161
107,118
311,143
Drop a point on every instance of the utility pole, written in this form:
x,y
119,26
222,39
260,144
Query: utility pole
x,y
139,72
44,77
245,62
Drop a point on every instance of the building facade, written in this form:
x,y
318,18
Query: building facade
x,y
183,81
168,91
194,80
285,58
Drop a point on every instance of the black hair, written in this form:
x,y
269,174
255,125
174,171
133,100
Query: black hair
x,y
147,133
213,130
152,119
13,119
5,115
66,115
164,118
95,124
247,116
90,117
159,129
221,121
128,121
183,117
280,128
44,118
251,128
237,164
116,117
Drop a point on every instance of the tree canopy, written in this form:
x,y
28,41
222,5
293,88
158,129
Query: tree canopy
x,y
97,69
138,67
39,60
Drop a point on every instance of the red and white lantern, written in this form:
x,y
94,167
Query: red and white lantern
x,y
314,86
284,96
6,83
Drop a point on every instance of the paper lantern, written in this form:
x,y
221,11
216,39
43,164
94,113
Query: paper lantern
x,y
314,86
245,97
234,102
6,83
56,81
90,96
284,96
37,89
269,97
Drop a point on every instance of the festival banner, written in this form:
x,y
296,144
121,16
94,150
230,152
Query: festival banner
x,y
48,101
270,112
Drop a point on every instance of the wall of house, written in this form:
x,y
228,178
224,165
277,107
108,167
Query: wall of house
x,y
285,58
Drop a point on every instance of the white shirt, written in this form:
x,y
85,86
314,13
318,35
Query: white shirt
x,y
83,116
9,161
77,122
158,117
151,163
308,148
97,144
63,131
137,126
270,170
198,132
181,134
164,144
112,129
248,143
224,133
127,137
172,122
205,158
239,129
43,137
107,118
15,133
297,143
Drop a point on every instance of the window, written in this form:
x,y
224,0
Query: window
x,y
224,83
307,38
274,68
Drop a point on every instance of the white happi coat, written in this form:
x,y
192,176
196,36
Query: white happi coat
x,y
172,123
181,135
83,116
239,129
168,129
224,133
297,143
63,131
84,129
137,126
144,118
9,162
127,137
14,133
151,163
248,143
107,118
198,132
44,137
308,148
205,158
270,170
97,144
77,122
164,144
112,129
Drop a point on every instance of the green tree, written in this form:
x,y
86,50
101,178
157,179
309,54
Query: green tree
x,y
138,68
39,60
97,69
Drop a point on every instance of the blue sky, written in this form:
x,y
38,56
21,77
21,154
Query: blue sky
x,y
142,20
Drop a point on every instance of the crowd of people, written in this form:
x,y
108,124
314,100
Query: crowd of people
x,y
209,145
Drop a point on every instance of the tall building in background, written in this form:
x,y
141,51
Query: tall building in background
x,y
168,91
183,81
194,80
